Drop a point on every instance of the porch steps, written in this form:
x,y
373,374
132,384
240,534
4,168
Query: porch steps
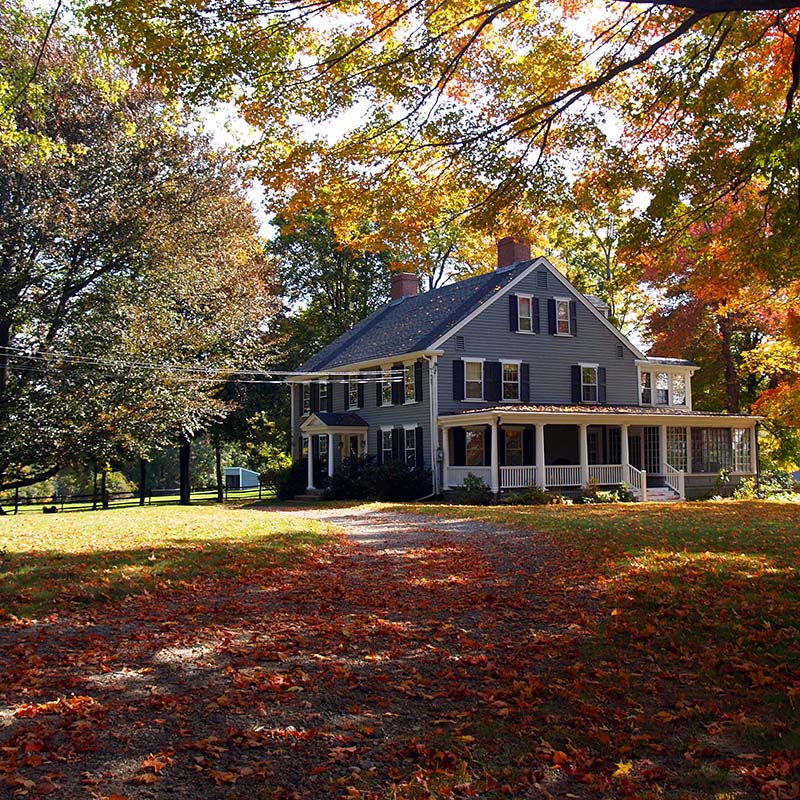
x,y
308,498
662,494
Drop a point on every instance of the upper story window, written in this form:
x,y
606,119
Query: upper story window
x,y
662,388
524,313
386,445
410,383
562,316
306,399
646,383
323,395
386,388
352,392
510,381
678,390
473,380
589,383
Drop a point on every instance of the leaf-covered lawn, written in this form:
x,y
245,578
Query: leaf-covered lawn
x,y
639,651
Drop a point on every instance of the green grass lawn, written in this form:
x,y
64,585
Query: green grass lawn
x,y
47,561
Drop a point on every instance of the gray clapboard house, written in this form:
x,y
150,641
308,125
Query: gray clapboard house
x,y
517,377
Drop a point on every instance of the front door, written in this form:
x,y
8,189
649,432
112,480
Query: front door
x,y
354,446
635,450
652,451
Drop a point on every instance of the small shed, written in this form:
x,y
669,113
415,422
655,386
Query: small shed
x,y
240,478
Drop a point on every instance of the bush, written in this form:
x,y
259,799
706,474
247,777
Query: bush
x,y
534,496
361,479
474,491
279,462
347,483
592,493
291,480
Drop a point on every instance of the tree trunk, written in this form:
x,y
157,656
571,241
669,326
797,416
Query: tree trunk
x,y
185,452
103,490
218,459
94,490
142,480
731,375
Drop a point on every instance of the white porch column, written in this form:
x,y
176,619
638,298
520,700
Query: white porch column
x,y
541,477
310,486
495,486
330,455
624,453
754,449
662,447
583,453
688,449
445,458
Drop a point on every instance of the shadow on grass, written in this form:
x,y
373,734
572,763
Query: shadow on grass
x,y
40,581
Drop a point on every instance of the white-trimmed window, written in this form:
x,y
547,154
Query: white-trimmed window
x,y
410,382
679,390
323,447
513,446
589,383
386,388
352,392
662,388
646,384
742,461
474,447
562,316
304,447
306,399
524,313
511,381
473,380
410,446
386,445
323,395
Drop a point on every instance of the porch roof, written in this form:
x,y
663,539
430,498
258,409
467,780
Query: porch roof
x,y
599,414
330,422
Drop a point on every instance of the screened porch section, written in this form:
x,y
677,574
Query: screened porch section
x,y
569,456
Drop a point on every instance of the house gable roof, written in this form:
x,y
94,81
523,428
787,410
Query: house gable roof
x,y
424,321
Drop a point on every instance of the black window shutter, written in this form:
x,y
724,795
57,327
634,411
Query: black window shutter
x,y
396,443
418,381
535,309
379,449
551,315
379,389
459,447
573,317
360,393
577,394
501,444
398,385
315,396
458,379
420,453
525,383
601,384
330,396
487,446
492,380
315,448
513,315
528,444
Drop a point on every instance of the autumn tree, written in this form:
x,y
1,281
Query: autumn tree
x,y
128,252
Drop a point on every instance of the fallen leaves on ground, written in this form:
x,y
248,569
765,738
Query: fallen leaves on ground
x,y
506,662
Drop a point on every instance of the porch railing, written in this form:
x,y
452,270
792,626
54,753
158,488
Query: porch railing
x,y
606,474
637,480
517,477
565,475
674,478
455,475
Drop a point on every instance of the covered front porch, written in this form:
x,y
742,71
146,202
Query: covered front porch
x,y
328,438
660,454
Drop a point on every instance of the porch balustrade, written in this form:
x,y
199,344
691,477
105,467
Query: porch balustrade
x,y
455,475
637,480
674,478
606,474
565,475
517,477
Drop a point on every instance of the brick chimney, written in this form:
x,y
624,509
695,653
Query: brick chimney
x,y
512,250
404,284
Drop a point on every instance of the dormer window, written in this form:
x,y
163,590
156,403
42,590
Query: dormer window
x,y
678,390
646,382
662,389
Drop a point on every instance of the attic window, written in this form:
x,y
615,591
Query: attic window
x,y
620,351
459,342
541,280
